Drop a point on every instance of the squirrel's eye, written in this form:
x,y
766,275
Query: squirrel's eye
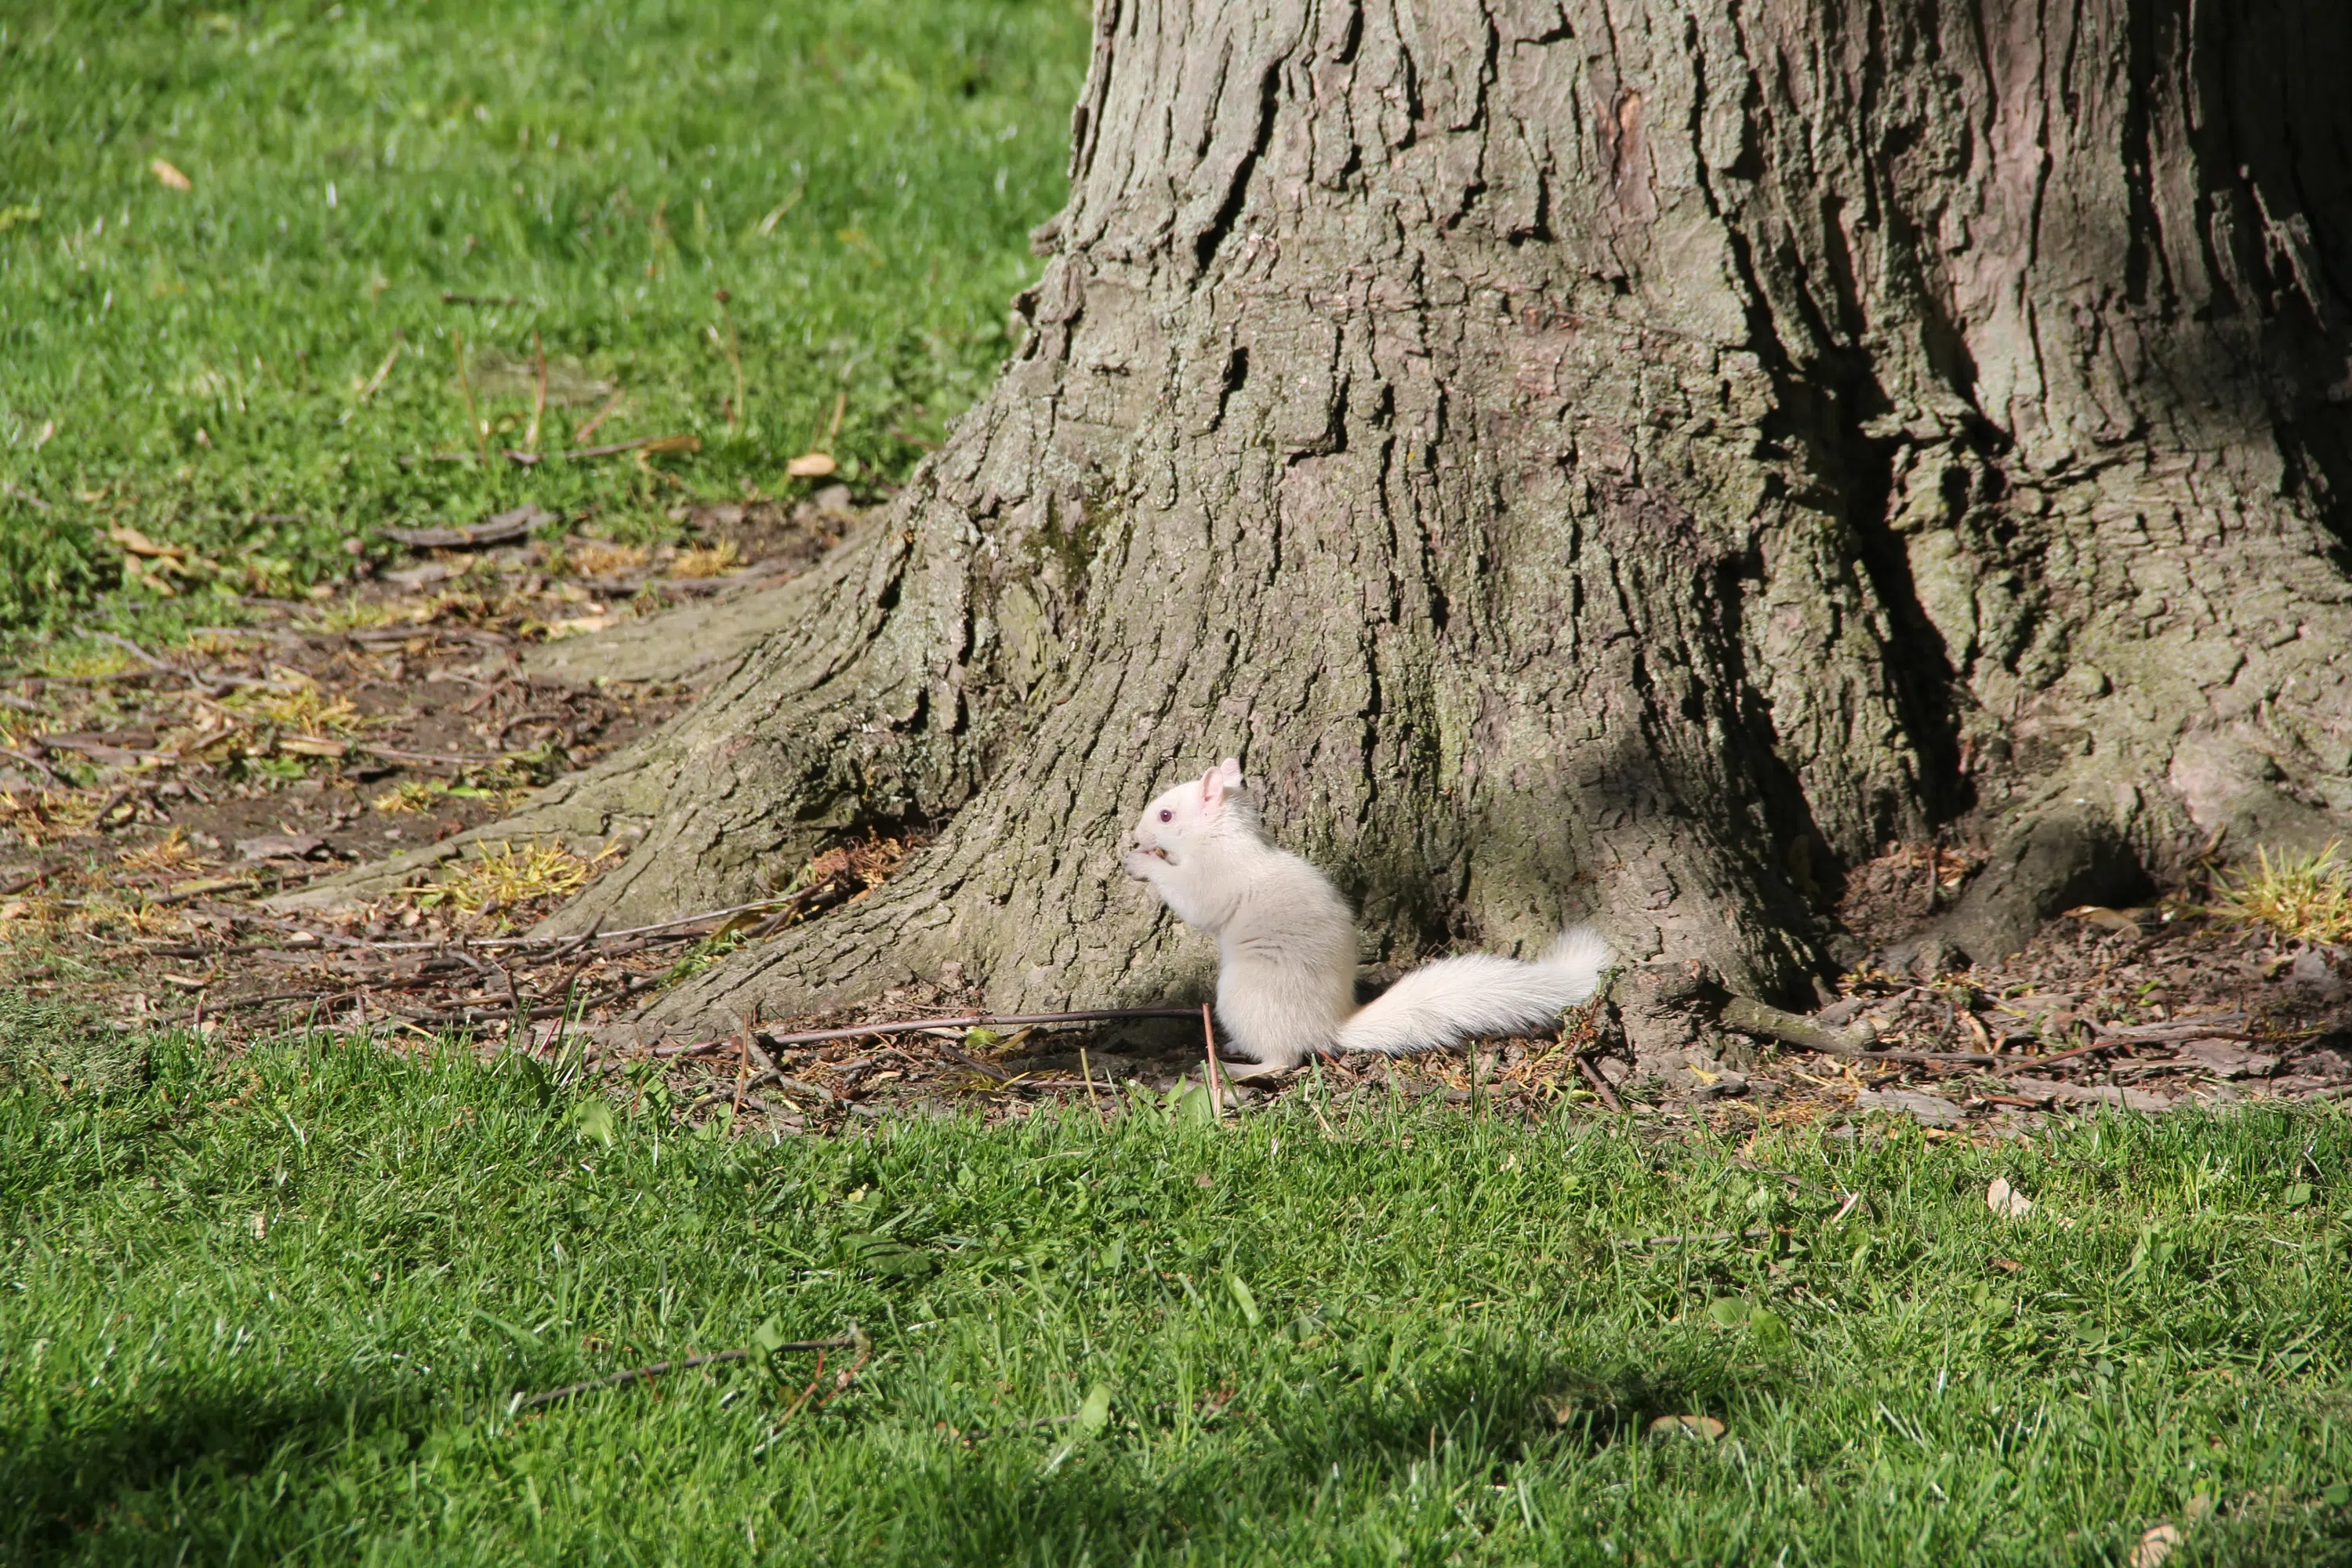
x,y
1166,815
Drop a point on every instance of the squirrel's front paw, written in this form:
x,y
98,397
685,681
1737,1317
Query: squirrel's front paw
x,y
1137,863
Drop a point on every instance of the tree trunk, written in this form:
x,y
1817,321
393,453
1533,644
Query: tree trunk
x,y
1589,462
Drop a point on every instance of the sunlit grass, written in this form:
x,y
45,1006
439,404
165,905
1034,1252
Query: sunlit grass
x,y
257,368
275,1306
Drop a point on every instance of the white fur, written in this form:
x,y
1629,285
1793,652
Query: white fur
x,y
1287,943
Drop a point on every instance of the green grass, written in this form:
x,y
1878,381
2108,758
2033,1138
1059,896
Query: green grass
x,y
858,178
1416,1341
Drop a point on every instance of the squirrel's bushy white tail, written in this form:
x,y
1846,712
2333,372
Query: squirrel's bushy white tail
x,y
1478,993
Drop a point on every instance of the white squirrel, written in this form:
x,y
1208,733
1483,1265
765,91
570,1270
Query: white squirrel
x,y
1287,943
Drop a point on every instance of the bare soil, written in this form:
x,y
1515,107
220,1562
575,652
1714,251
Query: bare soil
x,y
148,804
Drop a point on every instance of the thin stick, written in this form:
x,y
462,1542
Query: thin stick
x,y
684,1363
1217,1089
1089,1074
480,432
132,649
581,436
1753,1017
1750,1233
600,936
734,352
33,762
916,1025
376,381
1600,1085
538,396
744,1069
514,997
2010,1066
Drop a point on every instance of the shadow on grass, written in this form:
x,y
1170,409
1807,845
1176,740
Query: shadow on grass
x,y
1474,1422
213,1467
173,1464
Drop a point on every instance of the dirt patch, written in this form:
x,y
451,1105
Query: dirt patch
x,y
149,796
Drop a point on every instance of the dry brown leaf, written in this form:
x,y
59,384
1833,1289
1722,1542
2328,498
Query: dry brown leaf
x,y
811,466
558,630
2104,918
2007,1201
1706,1427
171,176
2154,1547
137,543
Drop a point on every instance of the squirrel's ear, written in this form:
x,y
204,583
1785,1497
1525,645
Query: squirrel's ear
x,y
1220,782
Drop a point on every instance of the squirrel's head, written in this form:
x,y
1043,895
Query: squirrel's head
x,y
1213,806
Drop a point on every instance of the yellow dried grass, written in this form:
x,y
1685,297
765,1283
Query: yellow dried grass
x,y
2306,897
298,704
598,558
706,560
503,876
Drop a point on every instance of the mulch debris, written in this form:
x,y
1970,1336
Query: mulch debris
x,y
151,798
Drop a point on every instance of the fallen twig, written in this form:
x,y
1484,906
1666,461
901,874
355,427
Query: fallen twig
x,y
1753,1017
1216,1091
2005,1069
127,646
33,761
1087,1073
1798,1182
1750,1233
502,528
916,1025
391,755
672,926
996,1074
584,431
854,1339
1600,1085
375,381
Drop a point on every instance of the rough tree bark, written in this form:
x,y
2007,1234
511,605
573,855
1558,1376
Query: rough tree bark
x,y
1613,459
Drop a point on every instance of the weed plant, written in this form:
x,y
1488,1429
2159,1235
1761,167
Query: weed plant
x,y
2304,898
